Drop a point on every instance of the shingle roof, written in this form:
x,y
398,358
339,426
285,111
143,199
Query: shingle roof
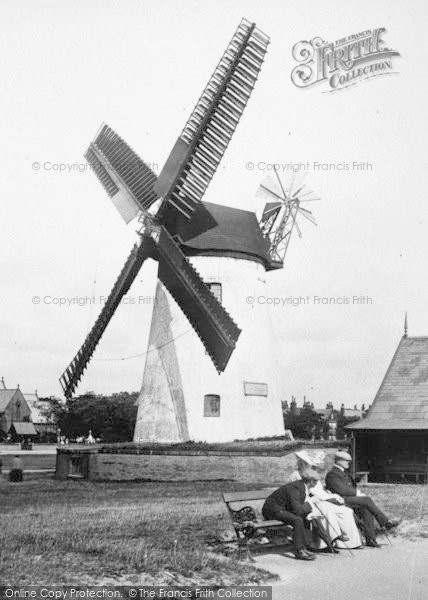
x,y
23,428
230,230
5,397
402,399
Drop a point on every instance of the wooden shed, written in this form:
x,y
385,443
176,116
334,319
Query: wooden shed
x,y
391,443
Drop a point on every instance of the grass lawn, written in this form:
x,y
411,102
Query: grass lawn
x,y
409,502
65,532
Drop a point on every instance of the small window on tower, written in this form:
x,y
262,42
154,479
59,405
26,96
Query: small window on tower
x,y
211,405
215,289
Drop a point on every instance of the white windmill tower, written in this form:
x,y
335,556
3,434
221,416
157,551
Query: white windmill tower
x,y
183,397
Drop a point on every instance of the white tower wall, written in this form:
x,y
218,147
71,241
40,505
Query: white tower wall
x,y
179,374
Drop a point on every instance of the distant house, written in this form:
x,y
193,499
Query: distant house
x,y
352,413
392,441
45,426
348,413
330,420
14,412
324,413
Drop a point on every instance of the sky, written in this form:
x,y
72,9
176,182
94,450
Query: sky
x,y
140,66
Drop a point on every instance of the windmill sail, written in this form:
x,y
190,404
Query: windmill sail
x,y
126,178
207,133
216,329
71,376
133,187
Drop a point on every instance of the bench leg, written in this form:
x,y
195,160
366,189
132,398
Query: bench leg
x,y
244,547
249,556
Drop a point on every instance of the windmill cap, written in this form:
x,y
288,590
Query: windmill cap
x,y
313,458
308,474
342,455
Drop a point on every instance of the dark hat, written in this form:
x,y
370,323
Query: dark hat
x,y
308,474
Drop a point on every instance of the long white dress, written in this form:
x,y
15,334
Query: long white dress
x,y
335,519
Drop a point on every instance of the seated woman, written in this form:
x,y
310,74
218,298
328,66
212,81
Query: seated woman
x,y
335,519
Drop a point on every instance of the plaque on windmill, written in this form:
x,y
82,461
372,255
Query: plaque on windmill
x,y
255,389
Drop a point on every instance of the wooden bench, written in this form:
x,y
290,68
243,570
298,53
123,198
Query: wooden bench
x,y
252,529
416,471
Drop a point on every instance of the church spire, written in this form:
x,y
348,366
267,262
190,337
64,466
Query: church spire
x,y
405,325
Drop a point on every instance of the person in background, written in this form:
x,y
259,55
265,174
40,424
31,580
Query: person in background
x,y
339,481
15,474
335,520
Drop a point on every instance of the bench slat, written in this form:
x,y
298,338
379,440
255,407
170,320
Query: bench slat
x,y
261,524
251,495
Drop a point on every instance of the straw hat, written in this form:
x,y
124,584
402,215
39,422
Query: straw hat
x,y
315,458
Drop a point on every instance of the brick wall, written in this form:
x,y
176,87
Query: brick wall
x,y
247,469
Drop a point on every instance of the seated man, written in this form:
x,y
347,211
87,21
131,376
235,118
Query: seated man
x,y
291,504
335,520
339,481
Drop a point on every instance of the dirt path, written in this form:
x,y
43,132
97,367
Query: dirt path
x,y
397,572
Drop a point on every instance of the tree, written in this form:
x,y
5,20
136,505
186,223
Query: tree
x,y
342,421
111,418
305,424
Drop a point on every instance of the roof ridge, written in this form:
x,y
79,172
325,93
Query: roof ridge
x,y
402,395
231,207
385,377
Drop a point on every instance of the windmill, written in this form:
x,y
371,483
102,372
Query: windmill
x,y
280,213
169,206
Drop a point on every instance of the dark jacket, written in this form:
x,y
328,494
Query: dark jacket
x,y
340,482
290,497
